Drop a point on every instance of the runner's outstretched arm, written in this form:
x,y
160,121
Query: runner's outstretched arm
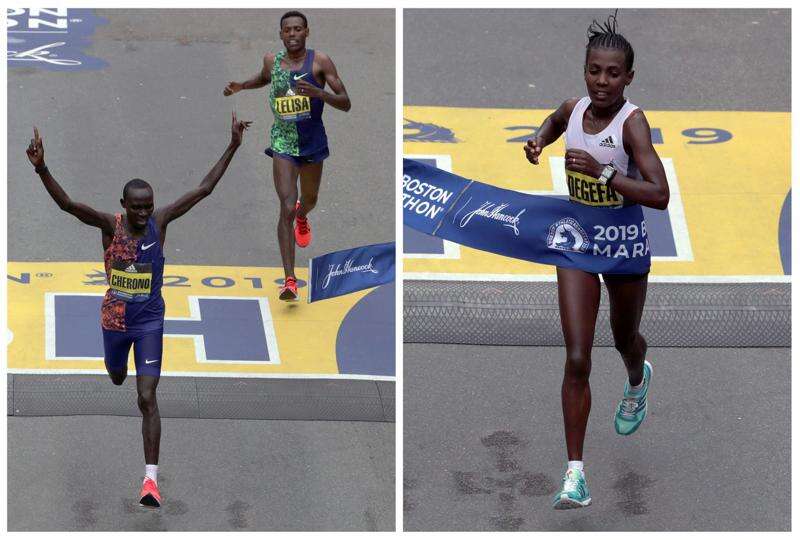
x,y
259,80
83,212
339,99
186,202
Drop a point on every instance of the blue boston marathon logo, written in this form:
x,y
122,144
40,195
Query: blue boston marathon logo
x,y
566,234
52,38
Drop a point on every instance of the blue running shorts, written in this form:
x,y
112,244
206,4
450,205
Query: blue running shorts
x,y
147,349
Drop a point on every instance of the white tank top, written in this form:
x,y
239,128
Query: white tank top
x,y
605,147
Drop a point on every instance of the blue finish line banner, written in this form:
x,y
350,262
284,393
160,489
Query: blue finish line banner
x,y
535,228
350,270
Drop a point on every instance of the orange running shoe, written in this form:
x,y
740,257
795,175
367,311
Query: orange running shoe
x,y
302,229
289,289
149,495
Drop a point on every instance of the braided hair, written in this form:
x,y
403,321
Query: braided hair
x,y
604,36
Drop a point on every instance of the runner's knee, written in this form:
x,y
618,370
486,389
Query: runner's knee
x,y
147,401
309,202
117,378
578,365
288,209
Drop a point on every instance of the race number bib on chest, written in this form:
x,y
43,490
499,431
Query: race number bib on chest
x,y
131,282
588,190
293,108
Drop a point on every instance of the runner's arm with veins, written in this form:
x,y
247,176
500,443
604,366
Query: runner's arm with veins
x,y
551,129
187,201
259,80
653,192
83,212
339,99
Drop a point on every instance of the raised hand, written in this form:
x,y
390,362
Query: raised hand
x,y
35,150
232,88
237,129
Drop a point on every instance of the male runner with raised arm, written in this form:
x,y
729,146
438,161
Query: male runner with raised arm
x,y
132,312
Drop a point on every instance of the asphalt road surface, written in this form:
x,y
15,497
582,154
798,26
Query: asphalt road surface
x,y
715,60
483,432
75,473
713,453
157,112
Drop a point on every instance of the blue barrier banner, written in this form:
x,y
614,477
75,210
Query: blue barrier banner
x,y
427,195
350,270
537,228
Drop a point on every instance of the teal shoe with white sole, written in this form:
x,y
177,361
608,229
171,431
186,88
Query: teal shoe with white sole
x,y
632,409
574,491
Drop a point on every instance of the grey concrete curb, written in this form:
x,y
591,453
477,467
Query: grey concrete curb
x,y
527,314
200,397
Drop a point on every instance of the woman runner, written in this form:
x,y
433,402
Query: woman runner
x,y
610,162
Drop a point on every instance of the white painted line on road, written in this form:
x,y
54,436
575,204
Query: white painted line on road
x,y
16,371
432,276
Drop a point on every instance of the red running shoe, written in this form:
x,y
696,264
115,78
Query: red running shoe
x,y
149,495
289,289
302,229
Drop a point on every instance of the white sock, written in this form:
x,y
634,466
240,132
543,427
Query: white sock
x,y
575,465
638,388
151,471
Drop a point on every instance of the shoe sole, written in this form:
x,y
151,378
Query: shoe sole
x,y
149,501
288,296
569,504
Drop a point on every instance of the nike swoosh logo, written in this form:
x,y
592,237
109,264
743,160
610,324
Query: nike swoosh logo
x,y
151,361
300,77
148,246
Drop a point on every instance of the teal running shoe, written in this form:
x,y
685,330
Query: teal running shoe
x,y
633,407
574,492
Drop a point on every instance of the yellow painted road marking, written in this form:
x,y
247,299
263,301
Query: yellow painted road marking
x,y
306,334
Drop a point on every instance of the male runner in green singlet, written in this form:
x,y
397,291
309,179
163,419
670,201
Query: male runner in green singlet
x,y
298,143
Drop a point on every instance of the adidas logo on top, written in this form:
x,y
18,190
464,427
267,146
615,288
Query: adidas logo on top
x,y
608,142
131,269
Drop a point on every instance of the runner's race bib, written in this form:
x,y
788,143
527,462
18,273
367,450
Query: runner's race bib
x,y
292,108
131,282
589,190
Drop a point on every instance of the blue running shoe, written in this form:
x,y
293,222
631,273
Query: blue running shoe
x,y
633,407
574,492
